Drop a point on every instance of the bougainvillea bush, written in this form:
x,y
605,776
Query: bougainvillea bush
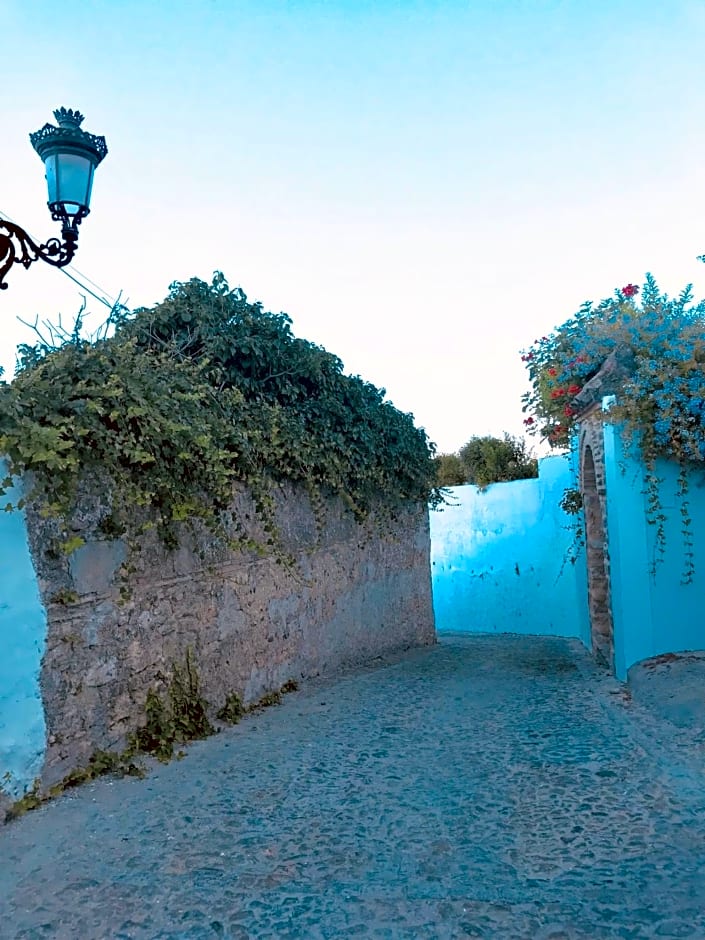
x,y
646,348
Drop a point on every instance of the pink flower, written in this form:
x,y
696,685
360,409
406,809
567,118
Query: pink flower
x,y
631,290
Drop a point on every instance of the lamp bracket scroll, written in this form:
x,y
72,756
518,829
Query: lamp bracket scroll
x,y
16,247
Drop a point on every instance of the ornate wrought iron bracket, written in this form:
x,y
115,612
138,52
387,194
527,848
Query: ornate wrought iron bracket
x,y
16,247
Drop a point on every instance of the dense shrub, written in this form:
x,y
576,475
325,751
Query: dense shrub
x,y
485,460
450,470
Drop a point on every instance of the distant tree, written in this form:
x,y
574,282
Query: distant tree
x,y
450,470
485,460
497,460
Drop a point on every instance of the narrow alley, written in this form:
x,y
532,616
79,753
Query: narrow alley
x,y
499,787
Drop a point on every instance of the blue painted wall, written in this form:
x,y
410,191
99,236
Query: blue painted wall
x,y
22,638
498,559
653,611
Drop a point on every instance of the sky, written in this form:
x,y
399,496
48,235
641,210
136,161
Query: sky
x,y
424,186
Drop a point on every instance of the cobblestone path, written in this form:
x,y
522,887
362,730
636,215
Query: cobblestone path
x,y
496,787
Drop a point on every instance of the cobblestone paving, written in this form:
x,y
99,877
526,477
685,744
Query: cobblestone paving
x,y
496,787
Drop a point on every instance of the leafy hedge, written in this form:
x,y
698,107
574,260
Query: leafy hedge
x,y
200,391
486,459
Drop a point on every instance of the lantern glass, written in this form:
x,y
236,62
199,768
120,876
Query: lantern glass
x,y
70,156
69,181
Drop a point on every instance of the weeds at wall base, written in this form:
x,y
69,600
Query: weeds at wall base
x,y
180,717
100,764
233,709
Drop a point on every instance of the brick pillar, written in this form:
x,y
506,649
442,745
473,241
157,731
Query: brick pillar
x,y
592,487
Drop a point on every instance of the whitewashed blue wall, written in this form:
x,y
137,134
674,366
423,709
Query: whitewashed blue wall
x,y
22,638
498,559
653,610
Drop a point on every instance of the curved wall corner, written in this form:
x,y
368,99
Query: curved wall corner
x,y
23,627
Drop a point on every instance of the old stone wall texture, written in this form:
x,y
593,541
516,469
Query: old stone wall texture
x,y
355,591
594,493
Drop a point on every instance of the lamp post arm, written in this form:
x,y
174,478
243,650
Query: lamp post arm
x,y
16,247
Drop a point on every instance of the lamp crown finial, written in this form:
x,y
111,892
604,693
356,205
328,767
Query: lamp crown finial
x,y
68,118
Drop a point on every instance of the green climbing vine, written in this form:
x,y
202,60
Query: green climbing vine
x,y
571,503
187,398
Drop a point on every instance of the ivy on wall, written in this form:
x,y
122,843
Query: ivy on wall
x,y
190,396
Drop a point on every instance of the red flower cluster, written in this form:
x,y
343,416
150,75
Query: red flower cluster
x,y
573,389
568,411
558,393
552,371
631,290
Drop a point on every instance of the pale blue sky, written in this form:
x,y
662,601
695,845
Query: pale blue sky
x,y
425,187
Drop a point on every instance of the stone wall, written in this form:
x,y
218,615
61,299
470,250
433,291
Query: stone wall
x,y
353,592
594,493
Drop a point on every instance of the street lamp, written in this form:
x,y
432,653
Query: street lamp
x,y
70,157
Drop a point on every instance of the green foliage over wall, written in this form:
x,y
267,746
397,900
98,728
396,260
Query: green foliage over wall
x,y
485,460
192,395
